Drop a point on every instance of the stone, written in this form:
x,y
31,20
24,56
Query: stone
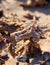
x,y
4,55
23,59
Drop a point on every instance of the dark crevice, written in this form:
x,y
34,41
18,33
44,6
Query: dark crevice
x,y
1,13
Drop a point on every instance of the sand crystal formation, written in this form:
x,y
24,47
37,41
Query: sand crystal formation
x,y
24,32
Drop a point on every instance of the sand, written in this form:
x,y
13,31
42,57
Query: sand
x,y
12,6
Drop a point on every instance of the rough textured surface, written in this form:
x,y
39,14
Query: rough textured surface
x,y
25,32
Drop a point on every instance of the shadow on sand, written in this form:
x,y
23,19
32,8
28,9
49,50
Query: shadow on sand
x,y
45,9
39,60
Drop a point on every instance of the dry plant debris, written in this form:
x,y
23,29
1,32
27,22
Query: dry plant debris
x,y
20,39
22,36
16,32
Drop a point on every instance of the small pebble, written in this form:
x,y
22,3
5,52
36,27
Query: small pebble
x,y
4,55
23,59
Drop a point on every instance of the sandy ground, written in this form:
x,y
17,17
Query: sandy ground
x,y
44,20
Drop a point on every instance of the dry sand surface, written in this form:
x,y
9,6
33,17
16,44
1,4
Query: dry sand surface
x,y
12,6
